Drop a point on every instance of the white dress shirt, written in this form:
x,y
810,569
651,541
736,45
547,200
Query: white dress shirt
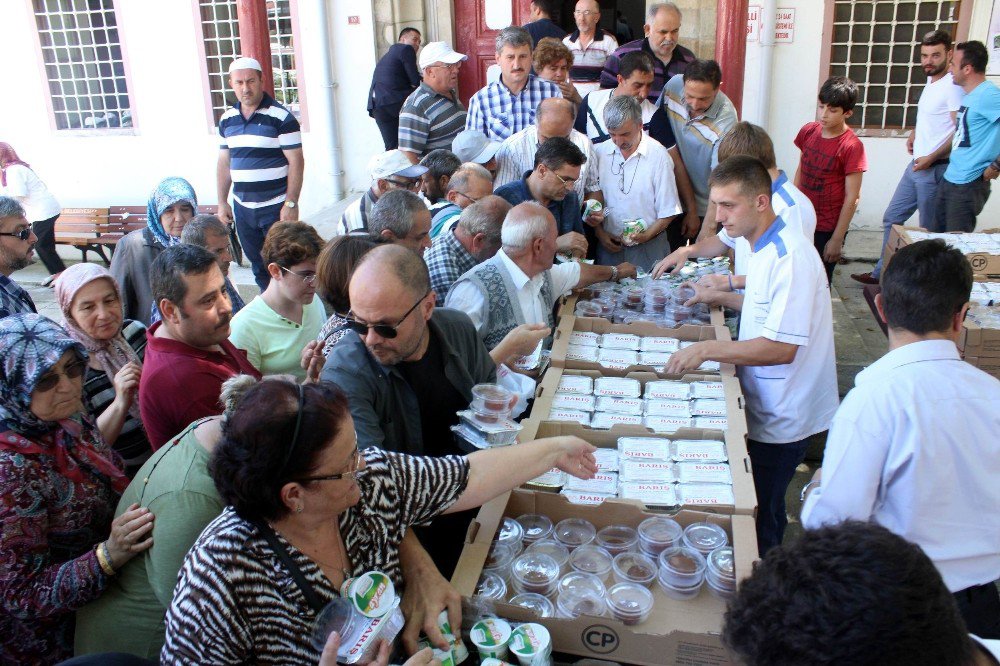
x,y
467,297
915,447
517,155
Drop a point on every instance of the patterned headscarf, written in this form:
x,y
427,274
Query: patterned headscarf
x,y
8,156
112,354
30,345
170,191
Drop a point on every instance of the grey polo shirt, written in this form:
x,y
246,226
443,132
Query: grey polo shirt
x,y
429,120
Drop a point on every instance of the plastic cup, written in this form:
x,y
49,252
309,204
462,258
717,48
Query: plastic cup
x,y
491,636
593,560
534,572
499,559
719,592
339,615
535,526
491,586
512,534
681,568
576,601
657,534
587,309
540,605
606,304
553,548
487,416
458,649
629,602
574,532
493,397
531,644
705,537
632,296
580,580
617,539
720,572
634,568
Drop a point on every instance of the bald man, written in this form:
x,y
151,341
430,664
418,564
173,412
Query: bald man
x,y
555,117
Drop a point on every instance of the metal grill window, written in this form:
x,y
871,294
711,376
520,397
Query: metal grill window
x,y
83,60
286,83
877,45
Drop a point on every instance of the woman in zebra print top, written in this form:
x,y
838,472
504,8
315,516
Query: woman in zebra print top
x,y
289,462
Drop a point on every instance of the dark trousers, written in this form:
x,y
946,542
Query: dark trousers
x,y
980,607
45,230
773,468
958,205
387,119
252,225
820,239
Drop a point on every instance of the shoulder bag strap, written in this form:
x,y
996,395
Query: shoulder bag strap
x,y
300,579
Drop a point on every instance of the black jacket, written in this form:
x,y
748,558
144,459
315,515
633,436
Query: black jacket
x,y
396,76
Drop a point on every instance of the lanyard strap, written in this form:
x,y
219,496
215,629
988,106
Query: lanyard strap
x,y
300,579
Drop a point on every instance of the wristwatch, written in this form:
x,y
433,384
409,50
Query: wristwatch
x,y
290,204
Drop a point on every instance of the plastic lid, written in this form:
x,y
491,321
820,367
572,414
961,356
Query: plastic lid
x,y
530,639
536,526
338,615
510,532
660,530
576,601
705,537
683,561
629,600
574,532
490,632
721,562
635,567
372,593
500,556
587,308
535,569
534,602
550,547
491,586
581,580
617,537
591,559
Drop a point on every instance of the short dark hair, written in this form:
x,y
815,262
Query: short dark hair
x,y
166,275
924,286
974,54
549,7
248,465
635,61
747,172
854,593
935,37
406,30
707,71
441,162
196,231
839,91
335,265
290,243
748,139
558,151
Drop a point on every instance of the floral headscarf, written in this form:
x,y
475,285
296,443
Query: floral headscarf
x,y
112,354
30,345
8,156
169,192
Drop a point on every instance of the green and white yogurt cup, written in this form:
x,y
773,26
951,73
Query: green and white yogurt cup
x,y
371,593
491,636
532,645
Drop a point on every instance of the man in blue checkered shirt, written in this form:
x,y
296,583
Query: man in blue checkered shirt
x,y
508,105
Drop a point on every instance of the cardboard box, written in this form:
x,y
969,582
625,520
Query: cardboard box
x,y
677,632
976,341
983,264
988,364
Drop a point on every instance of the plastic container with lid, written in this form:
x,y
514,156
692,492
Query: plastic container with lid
x,y
593,560
617,539
681,571
491,635
606,304
492,397
575,601
511,533
629,602
720,572
683,293
540,605
491,586
536,526
634,568
499,559
553,549
531,644
705,537
578,579
534,572
574,532
657,534
360,635
587,309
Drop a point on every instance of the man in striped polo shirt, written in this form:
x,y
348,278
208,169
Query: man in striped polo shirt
x,y
260,157
590,47
432,115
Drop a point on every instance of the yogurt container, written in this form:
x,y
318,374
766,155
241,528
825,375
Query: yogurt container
x,y
491,635
591,206
629,602
705,537
491,586
593,560
535,526
372,593
658,534
553,549
458,649
617,539
446,657
540,605
634,568
534,572
531,644
574,532
681,572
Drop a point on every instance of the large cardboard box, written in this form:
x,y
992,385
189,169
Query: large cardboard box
x,y
977,342
983,264
677,632
988,364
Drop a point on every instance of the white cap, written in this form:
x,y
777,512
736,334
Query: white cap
x,y
473,146
244,63
439,52
394,163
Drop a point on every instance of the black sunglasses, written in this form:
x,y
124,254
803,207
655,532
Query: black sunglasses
x,y
386,331
50,380
23,234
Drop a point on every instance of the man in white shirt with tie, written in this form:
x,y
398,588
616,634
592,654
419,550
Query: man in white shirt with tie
x,y
915,447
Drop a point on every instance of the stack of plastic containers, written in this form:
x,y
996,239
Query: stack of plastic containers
x,y
487,423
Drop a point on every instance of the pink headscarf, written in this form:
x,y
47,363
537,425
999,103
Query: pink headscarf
x,y
7,157
112,354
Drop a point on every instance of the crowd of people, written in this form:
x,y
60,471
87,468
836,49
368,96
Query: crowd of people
x,y
188,478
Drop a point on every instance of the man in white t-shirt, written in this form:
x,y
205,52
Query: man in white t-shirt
x,y
784,354
929,143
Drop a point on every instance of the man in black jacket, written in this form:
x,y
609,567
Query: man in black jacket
x,y
396,76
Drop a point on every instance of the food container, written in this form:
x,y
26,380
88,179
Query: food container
x,y
589,499
617,387
607,420
569,415
683,293
602,483
699,472
554,478
617,357
699,450
574,401
541,606
576,384
591,206
658,534
660,407
587,309
632,296
501,432
704,389
681,572
620,341
534,572
705,493
666,425
499,559
720,572
491,586
492,397
607,460
644,448
574,532
582,353
491,635
458,649
372,593
578,579
705,537
617,539
553,549
655,359
476,437
629,602
446,657
634,568
511,534
535,526
532,645
650,493
655,471
606,304
360,635
711,422
668,390
708,407
593,560
577,600
620,405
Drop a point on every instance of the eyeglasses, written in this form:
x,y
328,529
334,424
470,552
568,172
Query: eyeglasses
x,y
405,184
566,182
585,13
308,278
472,199
24,234
386,331
449,66
50,380
354,473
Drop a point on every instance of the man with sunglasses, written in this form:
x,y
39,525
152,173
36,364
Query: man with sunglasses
x,y
433,115
17,251
390,170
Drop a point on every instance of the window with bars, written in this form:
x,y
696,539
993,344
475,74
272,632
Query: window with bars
x,y
84,66
877,45
220,29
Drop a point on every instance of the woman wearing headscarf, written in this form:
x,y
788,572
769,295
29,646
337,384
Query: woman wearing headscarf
x,y
59,483
17,180
171,205
91,306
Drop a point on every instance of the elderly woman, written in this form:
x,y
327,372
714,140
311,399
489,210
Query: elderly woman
x,y
171,206
58,484
299,491
91,306
552,60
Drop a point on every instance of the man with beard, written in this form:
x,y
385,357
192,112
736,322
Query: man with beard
x,y
188,352
17,250
929,143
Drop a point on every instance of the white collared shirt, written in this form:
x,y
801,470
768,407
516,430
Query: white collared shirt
x,y
467,297
517,155
594,114
787,300
915,447
642,186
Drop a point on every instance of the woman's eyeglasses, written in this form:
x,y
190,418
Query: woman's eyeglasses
x,y
386,331
308,278
354,473
23,234
50,380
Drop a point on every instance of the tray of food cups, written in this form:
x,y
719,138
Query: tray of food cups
x,y
487,421
651,579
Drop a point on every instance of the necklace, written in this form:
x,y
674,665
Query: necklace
x,y
621,174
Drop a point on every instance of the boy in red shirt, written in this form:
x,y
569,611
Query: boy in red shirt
x,y
830,170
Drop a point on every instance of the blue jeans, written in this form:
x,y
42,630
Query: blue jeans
x,y
917,191
773,468
252,225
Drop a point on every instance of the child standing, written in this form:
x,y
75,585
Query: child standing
x,y
833,161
